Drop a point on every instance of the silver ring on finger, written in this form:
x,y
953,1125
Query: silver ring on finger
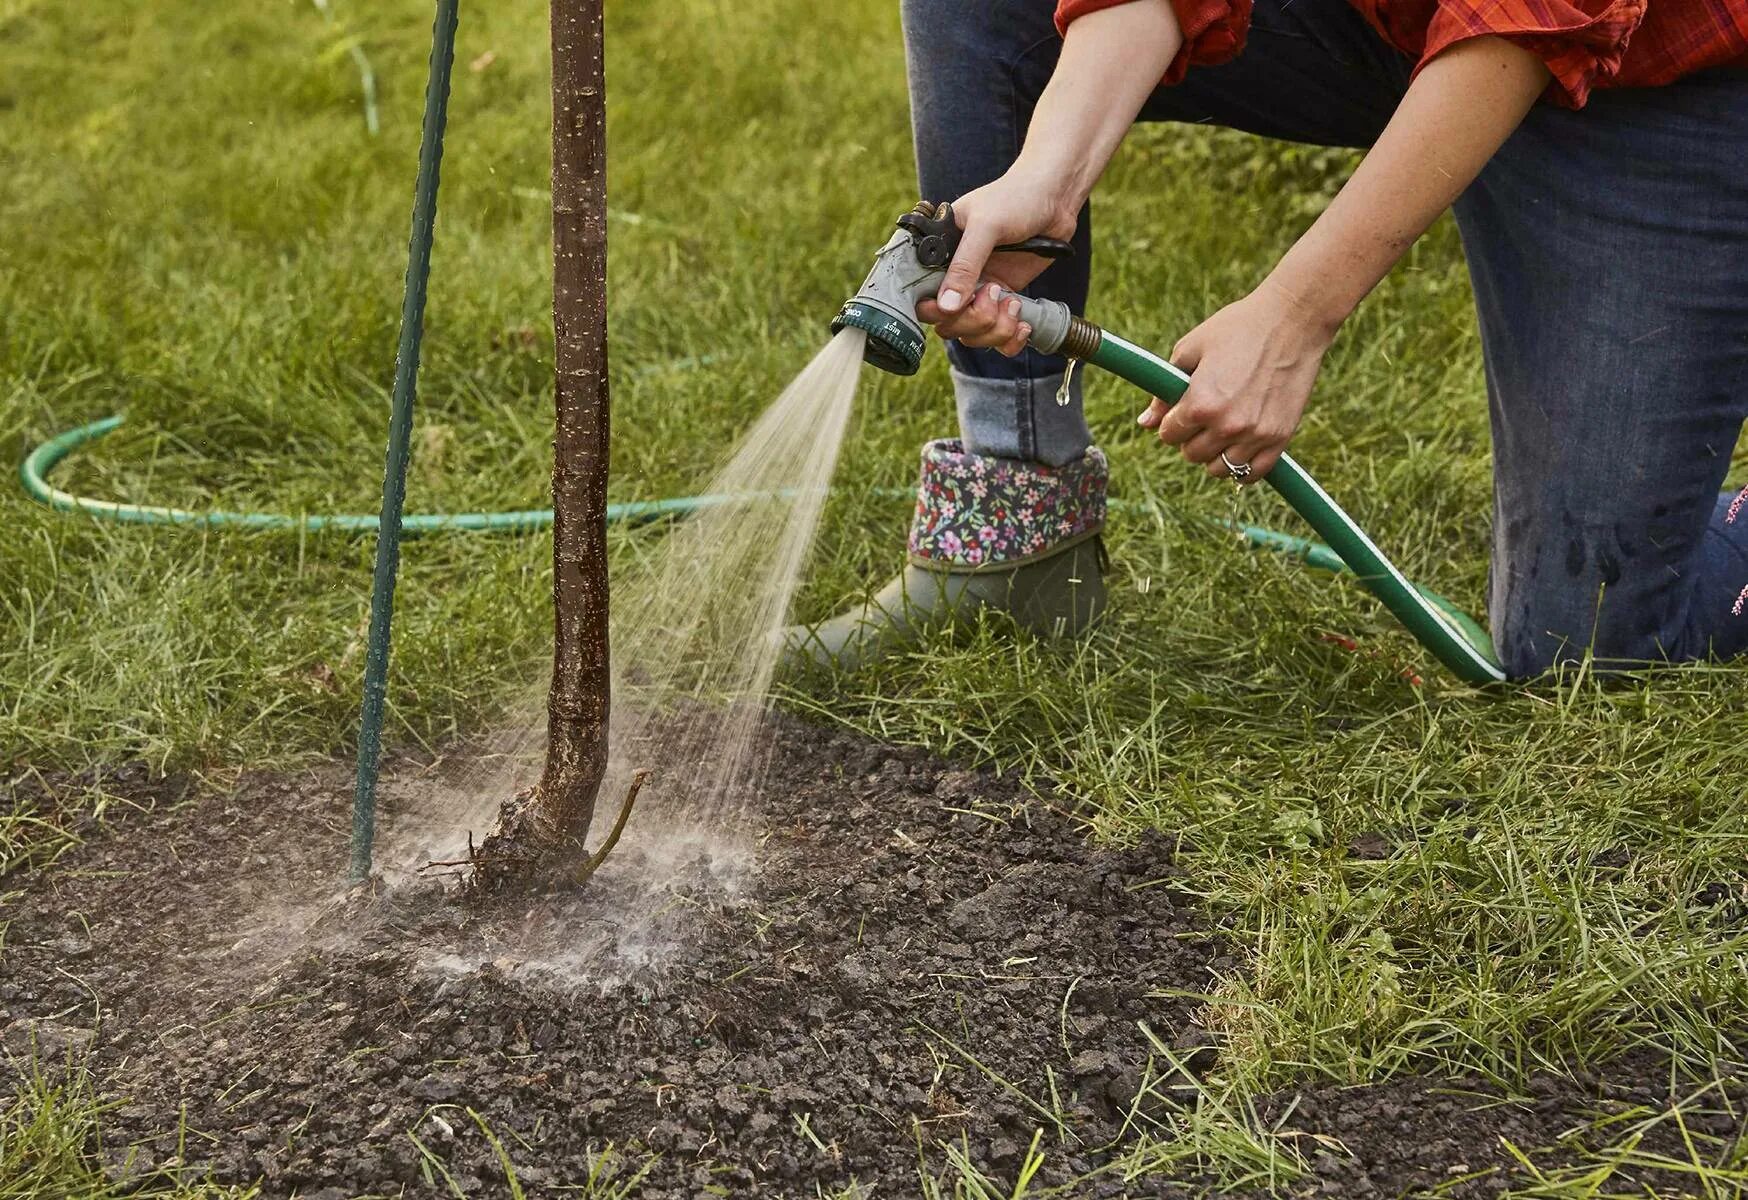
x,y
1239,471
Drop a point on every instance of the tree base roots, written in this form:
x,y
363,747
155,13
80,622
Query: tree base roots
x,y
525,851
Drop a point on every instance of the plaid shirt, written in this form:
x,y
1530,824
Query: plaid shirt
x,y
1587,44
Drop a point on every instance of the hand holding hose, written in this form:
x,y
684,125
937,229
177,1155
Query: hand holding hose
x,y
1251,368
1110,62
1255,361
973,305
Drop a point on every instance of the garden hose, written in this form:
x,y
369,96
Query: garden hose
x,y
40,463
34,472
1452,636
909,268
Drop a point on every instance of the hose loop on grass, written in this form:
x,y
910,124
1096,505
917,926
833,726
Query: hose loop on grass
x,y
35,470
39,463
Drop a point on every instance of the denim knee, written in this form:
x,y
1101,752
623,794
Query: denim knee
x,y
1566,589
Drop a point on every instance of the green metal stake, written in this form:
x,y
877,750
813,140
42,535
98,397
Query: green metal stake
x,y
400,429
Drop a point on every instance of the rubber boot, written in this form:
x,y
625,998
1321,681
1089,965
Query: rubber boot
x,y
996,533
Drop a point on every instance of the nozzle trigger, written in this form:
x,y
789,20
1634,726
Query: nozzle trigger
x,y
1043,247
935,234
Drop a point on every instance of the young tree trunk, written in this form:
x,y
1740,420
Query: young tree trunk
x,y
577,708
549,824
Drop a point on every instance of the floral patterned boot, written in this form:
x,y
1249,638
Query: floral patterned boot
x,y
1019,537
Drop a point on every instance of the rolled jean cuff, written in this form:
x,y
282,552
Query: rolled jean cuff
x,y
1019,418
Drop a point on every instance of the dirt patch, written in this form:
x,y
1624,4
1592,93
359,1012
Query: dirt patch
x,y
883,943
1456,1137
884,952
56,809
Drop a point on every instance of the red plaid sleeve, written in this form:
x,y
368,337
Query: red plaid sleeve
x,y
1213,29
1583,42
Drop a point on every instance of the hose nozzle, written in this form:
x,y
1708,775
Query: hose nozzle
x,y
909,268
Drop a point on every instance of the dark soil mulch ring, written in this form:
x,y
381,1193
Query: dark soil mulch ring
x,y
895,949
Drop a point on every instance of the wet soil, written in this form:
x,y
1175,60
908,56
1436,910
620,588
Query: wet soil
x,y
885,956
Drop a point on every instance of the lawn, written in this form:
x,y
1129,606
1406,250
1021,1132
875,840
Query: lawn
x,y
199,231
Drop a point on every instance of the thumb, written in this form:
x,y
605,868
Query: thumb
x,y
967,266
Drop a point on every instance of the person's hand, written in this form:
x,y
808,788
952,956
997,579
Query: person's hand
x,y
974,305
1251,368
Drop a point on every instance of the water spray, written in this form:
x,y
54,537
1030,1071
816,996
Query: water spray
x,y
910,267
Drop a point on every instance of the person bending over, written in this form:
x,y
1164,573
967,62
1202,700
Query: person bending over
x,y
1595,153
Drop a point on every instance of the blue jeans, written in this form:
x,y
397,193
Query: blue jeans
x,y
1609,254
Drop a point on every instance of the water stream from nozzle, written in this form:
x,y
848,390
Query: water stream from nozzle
x,y
695,623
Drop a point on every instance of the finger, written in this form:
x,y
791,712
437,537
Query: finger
x,y
1005,325
1206,446
1153,414
1263,463
975,246
975,318
930,312
1017,343
1260,449
989,320
1188,418
1256,452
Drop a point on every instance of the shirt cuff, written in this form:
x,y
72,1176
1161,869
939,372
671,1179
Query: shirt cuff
x,y
1581,41
1213,30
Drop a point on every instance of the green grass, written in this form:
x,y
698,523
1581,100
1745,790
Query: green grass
x,y
50,1145
202,233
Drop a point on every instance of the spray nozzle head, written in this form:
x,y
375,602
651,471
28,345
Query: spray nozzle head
x,y
894,344
908,269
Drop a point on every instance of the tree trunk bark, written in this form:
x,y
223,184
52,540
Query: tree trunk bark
x,y
577,708
547,826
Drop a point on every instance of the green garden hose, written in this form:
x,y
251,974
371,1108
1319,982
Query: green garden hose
x,y
1456,640
911,267
39,463
34,473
